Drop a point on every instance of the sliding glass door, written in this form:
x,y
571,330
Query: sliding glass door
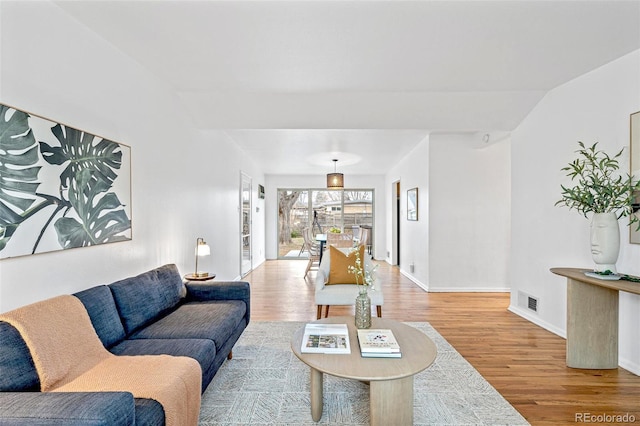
x,y
322,211
293,218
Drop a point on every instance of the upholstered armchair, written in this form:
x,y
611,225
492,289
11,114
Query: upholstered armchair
x,y
329,293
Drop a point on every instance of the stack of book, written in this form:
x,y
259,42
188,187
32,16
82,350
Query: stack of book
x,y
378,343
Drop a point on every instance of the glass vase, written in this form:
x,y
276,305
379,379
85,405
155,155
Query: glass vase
x,y
363,309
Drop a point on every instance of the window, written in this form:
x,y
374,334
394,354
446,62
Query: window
x,y
320,210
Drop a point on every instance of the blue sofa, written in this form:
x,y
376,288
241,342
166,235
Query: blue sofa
x,y
149,314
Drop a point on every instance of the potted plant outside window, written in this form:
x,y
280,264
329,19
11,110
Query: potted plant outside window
x,y
605,193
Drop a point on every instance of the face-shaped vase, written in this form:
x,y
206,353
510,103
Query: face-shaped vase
x,y
605,241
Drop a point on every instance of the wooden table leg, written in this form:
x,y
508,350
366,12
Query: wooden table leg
x,y
592,326
391,402
316,394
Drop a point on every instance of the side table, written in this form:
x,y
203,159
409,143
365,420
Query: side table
x,y
191,277
390,379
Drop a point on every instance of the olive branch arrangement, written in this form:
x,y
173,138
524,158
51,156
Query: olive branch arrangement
x,y
600,188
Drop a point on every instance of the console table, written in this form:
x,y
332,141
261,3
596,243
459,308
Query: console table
x,y
592,318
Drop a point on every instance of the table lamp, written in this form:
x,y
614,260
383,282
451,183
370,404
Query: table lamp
x,y
202,249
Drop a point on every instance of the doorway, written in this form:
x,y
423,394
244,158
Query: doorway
x,y
245,225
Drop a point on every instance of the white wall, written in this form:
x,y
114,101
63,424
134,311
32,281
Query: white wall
x,y
412,172
273,182
469,219
592,108
184,184
461,239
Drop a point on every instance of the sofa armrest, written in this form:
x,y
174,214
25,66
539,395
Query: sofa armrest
x,y
67,408
220,290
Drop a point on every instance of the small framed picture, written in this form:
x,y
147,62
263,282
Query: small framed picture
x,y
412,204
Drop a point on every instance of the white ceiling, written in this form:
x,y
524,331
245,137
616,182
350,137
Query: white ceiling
x,y
296,83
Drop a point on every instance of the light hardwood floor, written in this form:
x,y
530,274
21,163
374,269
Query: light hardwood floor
x,y
524,362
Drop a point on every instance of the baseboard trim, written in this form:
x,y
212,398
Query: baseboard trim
x,y
423,286
469,290
431,289
630,366
537,321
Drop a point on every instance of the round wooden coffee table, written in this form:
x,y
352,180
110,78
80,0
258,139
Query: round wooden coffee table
x,y
390,379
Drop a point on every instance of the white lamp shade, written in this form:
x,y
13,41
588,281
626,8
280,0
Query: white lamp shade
x,y
203,250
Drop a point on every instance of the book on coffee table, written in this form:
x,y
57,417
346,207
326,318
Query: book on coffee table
x,y
326,339
378,343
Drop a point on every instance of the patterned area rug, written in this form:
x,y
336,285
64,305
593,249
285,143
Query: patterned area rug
x,y
265,384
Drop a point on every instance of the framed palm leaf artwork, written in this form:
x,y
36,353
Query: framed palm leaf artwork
x,y
60,187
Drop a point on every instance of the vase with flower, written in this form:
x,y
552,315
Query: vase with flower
x,y
365,278
601,190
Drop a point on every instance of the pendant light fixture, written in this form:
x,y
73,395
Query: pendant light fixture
x,y
335,180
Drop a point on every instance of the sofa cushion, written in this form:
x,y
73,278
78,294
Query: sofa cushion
x,y
68,409
213,320
346,294
202,350
17,371
143,298
103,313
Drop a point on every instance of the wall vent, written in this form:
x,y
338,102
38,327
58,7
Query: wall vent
x,y
528,302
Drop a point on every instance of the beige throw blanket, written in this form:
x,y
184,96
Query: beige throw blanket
x,y
69,357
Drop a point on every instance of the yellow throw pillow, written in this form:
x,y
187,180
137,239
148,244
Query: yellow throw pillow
x,y
339,265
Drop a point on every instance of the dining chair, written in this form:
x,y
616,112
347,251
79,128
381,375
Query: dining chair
x,y
339,240
364,238
313,250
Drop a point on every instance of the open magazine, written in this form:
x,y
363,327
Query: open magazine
x,y
326,339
